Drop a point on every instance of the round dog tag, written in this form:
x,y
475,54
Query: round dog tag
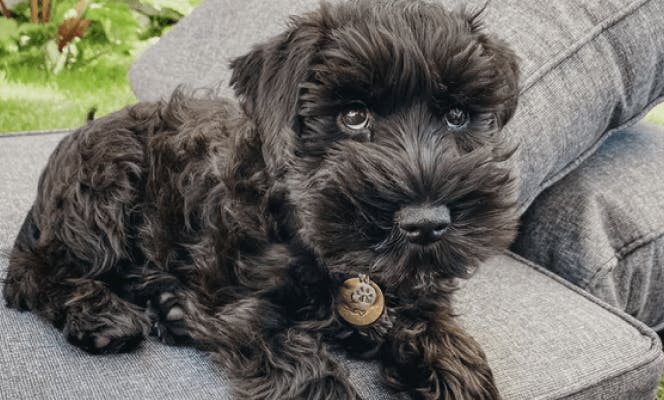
x,y
360,301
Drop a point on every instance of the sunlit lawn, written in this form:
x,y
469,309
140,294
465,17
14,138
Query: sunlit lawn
x,y
33,99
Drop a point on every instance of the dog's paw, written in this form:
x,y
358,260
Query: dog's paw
x,y
107,332
168,315
17,291
12,296
105,341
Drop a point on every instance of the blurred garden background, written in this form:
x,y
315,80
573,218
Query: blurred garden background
x,y
61,58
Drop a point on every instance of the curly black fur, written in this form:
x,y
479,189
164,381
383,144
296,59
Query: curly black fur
x,y
233,227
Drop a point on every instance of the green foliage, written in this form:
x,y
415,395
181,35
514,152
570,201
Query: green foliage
x,y
116,27
35,35
46,86
8,36
172,9
114,24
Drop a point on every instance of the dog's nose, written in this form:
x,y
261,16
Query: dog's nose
x,y
424,224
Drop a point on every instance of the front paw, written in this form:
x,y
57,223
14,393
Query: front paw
x,y
104,326
438,361
14,291
168,313
475,384
444,382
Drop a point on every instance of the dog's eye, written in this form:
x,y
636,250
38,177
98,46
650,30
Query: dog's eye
x,y
456,118
356,118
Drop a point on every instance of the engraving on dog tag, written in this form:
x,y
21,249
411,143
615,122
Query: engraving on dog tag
x,y
360,301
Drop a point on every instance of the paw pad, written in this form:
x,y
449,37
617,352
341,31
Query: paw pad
x,y
101,341
169,312
175,314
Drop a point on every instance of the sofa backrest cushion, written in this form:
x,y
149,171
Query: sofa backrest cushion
x,y
587,68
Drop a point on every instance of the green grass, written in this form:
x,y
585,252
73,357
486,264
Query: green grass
x,y
32,98
656,115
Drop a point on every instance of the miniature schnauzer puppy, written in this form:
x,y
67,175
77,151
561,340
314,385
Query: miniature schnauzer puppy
x,y
362,172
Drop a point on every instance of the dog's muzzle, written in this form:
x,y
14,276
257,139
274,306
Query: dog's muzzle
x,y
423,224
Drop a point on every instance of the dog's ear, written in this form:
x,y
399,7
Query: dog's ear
x,y
267,79
504,60
245,77
506,63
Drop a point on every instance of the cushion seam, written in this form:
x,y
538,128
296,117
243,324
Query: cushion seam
x,y
573,164
651,355
596,31
624,251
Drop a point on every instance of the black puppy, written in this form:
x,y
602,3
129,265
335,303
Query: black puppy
x,y
363,171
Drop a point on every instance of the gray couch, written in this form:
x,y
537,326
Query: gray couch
x,y
544,336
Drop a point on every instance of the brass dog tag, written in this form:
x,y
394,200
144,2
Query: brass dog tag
x,y
360,301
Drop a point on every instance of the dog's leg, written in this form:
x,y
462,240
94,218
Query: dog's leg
x,y
76,243
436,359
266,357
60,287
89,314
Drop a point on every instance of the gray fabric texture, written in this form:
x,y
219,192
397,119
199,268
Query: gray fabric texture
x,y
602,226
544,338
587,67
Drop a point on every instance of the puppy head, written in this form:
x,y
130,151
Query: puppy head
x,y
384,119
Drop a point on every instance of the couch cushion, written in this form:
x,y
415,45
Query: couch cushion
x,y
544,339
602,226
587,67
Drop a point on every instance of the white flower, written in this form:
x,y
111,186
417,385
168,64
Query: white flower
x,y
73,50
71,13
24,40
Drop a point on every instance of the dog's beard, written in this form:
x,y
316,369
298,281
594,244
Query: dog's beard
x,y
348,212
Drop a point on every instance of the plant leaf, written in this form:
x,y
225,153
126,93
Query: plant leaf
x,y
8,29
119,24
